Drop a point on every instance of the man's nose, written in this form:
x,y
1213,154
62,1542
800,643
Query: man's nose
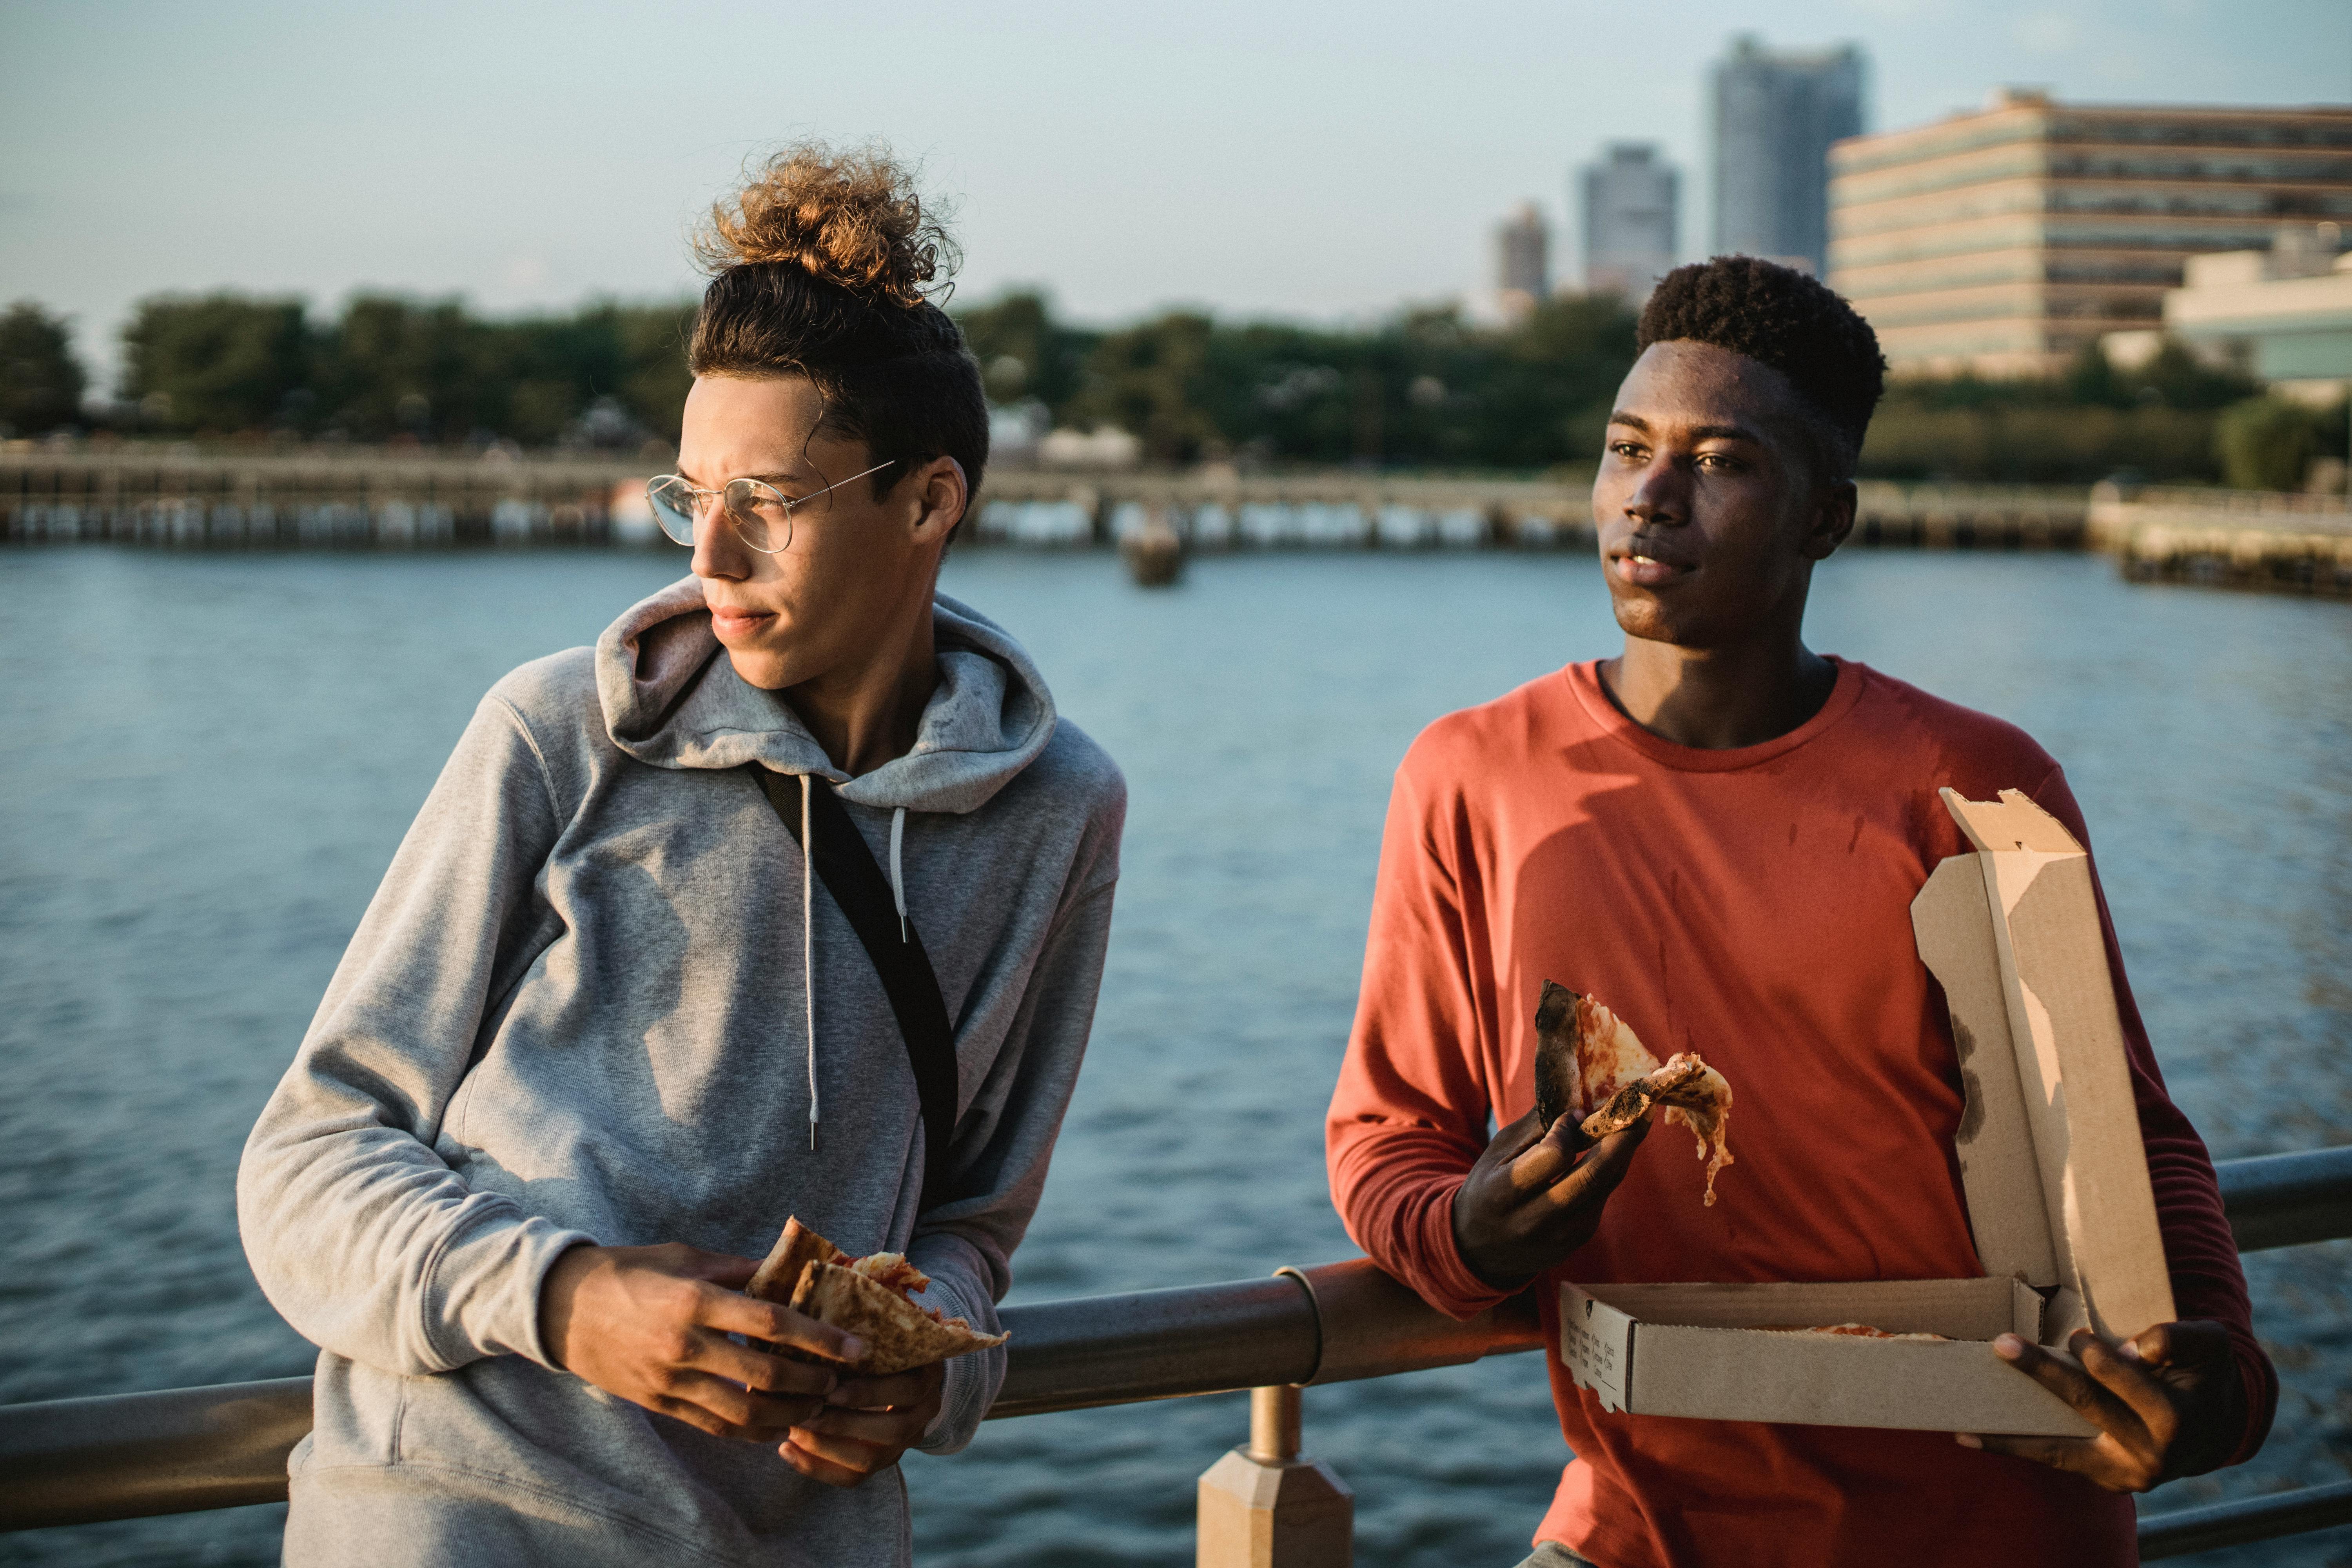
x,y
718,550
1662,495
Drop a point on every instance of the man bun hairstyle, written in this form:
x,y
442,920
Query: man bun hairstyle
x,y
825,265
1779,316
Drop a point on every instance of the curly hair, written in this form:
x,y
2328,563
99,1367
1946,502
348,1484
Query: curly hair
x,y
1778,316
825,265
852,218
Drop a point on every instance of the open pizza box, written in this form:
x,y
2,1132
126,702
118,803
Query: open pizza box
x,y
2050,1163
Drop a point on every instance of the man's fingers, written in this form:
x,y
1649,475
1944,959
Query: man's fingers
x,y
1602,1167
2128,1380
2192,1343
817,1468
727,1408
898,1390
1549,1158
1514,1139
883,1429
693,1263
739,1314
758,1370
2073,1386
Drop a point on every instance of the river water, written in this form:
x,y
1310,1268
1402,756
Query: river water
x,y
208,760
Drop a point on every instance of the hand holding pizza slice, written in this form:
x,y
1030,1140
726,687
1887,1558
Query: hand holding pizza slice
x,y
1589,1064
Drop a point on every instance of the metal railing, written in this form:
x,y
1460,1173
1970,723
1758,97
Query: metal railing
x,y
123,1456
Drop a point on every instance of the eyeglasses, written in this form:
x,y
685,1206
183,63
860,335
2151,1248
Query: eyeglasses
x,y
762,515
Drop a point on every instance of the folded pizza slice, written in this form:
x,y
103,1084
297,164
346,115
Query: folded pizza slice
x,y
1589,1064
871,1297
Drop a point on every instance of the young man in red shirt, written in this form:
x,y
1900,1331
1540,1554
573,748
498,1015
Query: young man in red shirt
x,y
1719,834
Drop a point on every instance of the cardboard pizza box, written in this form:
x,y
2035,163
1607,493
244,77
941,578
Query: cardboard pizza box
x,y
2051,1163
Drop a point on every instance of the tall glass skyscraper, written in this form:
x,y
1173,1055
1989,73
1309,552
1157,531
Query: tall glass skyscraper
x,y
1628,202
1775,117
1522,263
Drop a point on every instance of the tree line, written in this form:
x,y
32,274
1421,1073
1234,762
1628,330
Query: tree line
x,y
385,369
1427,388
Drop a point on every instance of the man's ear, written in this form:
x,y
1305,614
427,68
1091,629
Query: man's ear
x,y
1832,519
943,492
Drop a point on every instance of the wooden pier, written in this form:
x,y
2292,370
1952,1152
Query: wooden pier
x,y
1213,510
177,497
2238,538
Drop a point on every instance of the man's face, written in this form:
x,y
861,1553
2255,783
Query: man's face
x,y
1707,503
817,605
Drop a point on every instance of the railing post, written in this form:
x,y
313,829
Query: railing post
x,y
1266,1507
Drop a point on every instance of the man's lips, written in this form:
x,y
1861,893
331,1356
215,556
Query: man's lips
x,y
1639,569
728,620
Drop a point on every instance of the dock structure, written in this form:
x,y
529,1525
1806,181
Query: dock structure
x,y
1213,510
179,497
176,497
2239,539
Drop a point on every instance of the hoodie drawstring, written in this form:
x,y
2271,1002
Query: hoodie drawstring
x,y
898,877
808,943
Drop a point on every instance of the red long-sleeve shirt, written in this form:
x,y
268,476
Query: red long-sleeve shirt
x,y
1753,905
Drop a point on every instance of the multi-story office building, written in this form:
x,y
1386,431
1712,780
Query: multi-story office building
x,y
2001,242
1628,202
1776,115
1522,263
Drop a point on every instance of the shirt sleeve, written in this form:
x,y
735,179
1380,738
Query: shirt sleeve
x,y
359,1234
1005,1139
2200,1251
1409,1117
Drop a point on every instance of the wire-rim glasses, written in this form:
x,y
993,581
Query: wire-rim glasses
x,y
762,515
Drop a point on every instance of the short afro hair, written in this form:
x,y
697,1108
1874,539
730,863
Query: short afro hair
x,y
1778,316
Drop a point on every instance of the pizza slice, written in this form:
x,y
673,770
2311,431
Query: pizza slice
x,y
1589,1064
871,1297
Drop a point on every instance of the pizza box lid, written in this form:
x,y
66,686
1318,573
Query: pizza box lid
x,y
2051,1158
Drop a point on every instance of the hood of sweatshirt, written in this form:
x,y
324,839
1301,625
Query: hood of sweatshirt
x,y
671,698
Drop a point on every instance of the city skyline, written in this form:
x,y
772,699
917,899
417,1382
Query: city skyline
x,y
1253,161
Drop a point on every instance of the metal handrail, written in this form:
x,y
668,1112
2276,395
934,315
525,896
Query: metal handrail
x,y
2184,1530
123,1456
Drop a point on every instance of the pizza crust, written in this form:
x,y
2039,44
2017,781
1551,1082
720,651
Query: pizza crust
x,y
1855,1330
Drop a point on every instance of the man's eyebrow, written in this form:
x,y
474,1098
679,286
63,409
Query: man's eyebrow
x,y
767,477
1696,433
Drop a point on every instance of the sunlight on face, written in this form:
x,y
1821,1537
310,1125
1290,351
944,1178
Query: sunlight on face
x,y
1706,496
854,561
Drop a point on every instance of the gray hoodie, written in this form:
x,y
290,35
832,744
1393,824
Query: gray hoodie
x,y
577,1010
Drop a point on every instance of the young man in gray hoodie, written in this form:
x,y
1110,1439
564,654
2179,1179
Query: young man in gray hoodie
x,y
604,1026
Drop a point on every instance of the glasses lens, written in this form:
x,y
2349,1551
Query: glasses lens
x,y
673,501
759,514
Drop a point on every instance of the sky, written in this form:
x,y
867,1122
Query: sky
x,y
1258,157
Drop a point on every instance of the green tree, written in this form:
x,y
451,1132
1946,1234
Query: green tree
x,y
2267,442
40,380
393,366
219,364
1024,353
1153,380
654,377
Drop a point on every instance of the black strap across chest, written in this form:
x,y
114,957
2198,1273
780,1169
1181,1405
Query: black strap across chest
x,y
847,868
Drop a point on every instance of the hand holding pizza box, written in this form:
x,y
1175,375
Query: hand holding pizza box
x,y
2052,1164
